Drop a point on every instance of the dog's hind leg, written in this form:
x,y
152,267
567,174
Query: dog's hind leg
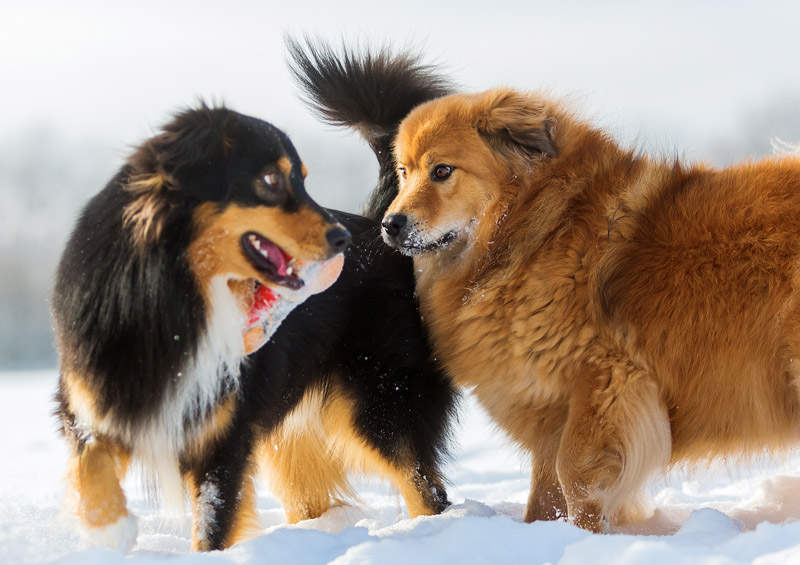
x,y
96,468
305,474
372,437
617,433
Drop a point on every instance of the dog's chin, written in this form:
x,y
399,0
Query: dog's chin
x,y
416,245
271,303
260,295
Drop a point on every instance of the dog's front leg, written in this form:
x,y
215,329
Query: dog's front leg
x,y
96,468
221,489
545,501
617,433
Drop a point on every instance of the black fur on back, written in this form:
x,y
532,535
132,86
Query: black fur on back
x,y
384,360
369,91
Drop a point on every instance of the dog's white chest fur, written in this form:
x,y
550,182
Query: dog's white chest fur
x,y
211,372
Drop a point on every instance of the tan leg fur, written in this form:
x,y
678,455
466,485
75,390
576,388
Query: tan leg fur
x,y
308,457
95,473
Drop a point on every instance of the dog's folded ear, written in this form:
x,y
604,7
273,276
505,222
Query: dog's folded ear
x,y
187,160
190,154
516,124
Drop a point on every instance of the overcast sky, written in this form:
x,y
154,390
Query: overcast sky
x,y
665,73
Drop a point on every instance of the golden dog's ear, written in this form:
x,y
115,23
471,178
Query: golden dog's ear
x,y
516,124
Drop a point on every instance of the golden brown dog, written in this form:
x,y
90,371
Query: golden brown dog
x,y
615,313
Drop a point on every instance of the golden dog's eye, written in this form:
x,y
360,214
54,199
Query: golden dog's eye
x,y
441,172
269,188
401,171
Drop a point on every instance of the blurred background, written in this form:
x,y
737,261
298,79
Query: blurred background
x,y
82,82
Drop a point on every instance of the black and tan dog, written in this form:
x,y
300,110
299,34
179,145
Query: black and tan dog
x,y
192,257
185,262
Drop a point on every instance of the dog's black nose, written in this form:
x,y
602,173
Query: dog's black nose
x,y
338,238
394,224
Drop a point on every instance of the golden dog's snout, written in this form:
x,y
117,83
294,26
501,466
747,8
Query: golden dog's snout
x,y
395,225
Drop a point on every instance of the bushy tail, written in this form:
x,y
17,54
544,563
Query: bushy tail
x,y
369,91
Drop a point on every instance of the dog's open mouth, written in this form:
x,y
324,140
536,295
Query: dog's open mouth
x,y
270,260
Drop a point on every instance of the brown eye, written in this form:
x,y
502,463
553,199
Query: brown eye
x,y
441,172
402,172
269,188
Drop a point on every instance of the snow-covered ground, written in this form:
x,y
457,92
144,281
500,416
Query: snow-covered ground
x,y
721,515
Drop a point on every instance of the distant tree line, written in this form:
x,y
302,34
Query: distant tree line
x,y
46,176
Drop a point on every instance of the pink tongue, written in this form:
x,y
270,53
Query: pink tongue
x,y
276,257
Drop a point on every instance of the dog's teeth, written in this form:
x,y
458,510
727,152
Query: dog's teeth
x,y
252,238
290,271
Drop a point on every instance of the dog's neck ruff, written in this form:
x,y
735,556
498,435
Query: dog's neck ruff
x,y
210,375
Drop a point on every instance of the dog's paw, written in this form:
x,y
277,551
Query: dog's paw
x,y
121,535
